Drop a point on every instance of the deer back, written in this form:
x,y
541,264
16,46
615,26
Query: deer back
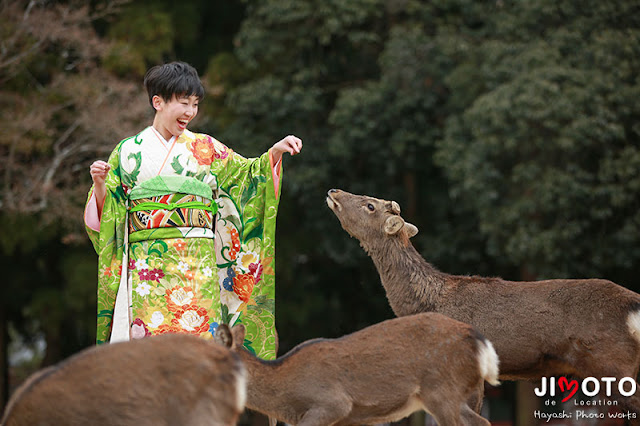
x,y
169,379
384,366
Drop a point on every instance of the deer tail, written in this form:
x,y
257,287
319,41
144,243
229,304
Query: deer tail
x,y
633,323
488,361
241,385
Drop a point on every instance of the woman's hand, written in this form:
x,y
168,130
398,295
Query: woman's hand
x,y
290,144
99,170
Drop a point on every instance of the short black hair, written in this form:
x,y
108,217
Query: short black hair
x,y
174,78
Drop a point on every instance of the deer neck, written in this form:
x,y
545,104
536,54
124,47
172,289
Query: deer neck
x,y
412,285
266,387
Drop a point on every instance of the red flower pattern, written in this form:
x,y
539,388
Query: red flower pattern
x,y
256,269
243,286
203,150
156,274
192,319
179,297
145,275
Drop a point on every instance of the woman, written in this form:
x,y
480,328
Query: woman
x,y
183,226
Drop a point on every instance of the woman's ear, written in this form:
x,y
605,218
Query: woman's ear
x,y
157,102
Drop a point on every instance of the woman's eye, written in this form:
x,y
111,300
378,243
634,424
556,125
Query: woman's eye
x,y
370,207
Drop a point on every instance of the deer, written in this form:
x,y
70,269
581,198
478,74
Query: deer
x,y
574,327
170,379
381,373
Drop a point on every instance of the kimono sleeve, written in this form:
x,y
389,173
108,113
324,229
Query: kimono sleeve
x,y
245,247
108,242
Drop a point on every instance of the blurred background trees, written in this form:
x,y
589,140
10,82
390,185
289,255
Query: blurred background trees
x,y
509,132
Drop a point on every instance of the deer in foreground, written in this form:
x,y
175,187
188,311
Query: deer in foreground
x,y
378,374
582,327
174,379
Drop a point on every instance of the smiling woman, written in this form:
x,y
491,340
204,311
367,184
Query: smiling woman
x,y
183,226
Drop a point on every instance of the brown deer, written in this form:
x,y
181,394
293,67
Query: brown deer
x,y
583,327
381,373
162,380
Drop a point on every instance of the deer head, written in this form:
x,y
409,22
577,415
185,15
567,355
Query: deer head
x,y
366,217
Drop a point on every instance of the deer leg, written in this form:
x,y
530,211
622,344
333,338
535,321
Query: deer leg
x,y
476,398
471,417
445,411
325,415
447,416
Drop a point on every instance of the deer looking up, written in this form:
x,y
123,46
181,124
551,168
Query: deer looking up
x,y
379,374
165,380
583,327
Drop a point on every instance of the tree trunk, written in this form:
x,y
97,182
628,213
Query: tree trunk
x,y
409,179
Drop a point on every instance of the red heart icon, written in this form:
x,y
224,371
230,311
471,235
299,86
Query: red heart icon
x,y
566,385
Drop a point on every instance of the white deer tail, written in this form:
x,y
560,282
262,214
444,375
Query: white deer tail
x,y
488,362
633,323
241,387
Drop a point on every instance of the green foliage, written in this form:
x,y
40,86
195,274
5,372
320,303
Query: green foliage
x,y
534,151
145,37
124,60
285,35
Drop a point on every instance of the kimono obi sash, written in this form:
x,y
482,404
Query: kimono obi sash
x,y
171,207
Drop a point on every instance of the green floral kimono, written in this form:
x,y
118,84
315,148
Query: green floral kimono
x,y
188,226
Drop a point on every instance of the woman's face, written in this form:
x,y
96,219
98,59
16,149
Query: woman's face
x,y
172,117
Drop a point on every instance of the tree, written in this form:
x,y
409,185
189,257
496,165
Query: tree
x,y
63,105
63,109
548,151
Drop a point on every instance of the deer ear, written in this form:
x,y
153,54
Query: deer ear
x,y
393,224
223,336
412,230
395,207
238,332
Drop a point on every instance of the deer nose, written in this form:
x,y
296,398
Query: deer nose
x,y
332,191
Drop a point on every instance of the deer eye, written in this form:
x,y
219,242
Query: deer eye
x,y
370,207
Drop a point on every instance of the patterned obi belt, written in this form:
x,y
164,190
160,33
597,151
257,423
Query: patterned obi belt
x,y
170,215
